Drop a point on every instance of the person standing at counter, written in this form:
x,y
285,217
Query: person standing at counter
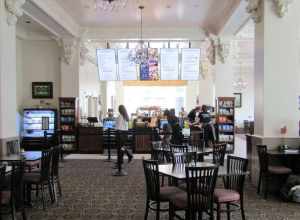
x,y
207,126
122,126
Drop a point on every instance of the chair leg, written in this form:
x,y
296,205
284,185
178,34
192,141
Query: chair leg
x,y
259,183
43,196
24,214
13,208
171,211
266,184
242,209
50,188
147,210
59,186
218,211
157,210
228,211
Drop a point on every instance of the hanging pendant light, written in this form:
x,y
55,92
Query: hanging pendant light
x,y
110,5
140,54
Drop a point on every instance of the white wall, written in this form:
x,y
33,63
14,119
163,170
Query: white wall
x,y
37,61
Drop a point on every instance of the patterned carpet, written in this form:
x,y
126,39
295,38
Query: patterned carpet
x,y
90,192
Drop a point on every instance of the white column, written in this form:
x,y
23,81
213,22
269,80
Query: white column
x,y
224,71
277,71
9,13
70,64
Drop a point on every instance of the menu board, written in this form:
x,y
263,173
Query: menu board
x,y
107,67
127,68
190,66
149,70
169,64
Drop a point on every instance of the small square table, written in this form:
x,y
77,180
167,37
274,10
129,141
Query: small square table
x,y
26,156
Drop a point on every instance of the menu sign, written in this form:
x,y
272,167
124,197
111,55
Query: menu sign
x,y
149,70
190,66
127,68
107,67
169,64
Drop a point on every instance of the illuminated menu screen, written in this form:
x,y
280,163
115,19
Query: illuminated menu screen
x,y
169,64
127,69
190,66
107,67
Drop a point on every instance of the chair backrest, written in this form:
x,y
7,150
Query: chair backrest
x,y
219,151
2,175
178,148
236,170
13,147
55,160
45,164
182,158
17,174
158,155
262,157
201,182
152,179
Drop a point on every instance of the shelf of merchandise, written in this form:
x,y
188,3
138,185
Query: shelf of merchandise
x,y
225,112
68,109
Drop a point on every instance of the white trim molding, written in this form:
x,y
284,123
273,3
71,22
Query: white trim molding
x,y
68,49
14,10
281,7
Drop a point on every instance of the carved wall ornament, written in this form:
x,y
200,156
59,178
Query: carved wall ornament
x,y
254,8
83,51
14,10
281,7
68,49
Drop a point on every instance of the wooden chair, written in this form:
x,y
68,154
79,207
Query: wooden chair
x,y
232,194
182,158
219,151
41,179
55,180
198,198
266,170
12,190
155,193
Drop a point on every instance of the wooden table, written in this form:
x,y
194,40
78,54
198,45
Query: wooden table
x,y
27,156
290,158
287,153
177,171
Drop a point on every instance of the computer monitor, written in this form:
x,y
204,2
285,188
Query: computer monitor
x,y
162,123
109,124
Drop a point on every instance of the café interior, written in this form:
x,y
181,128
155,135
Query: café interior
x,y
139,109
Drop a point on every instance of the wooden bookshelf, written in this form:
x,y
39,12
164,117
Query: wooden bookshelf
x,y
225,118
68,117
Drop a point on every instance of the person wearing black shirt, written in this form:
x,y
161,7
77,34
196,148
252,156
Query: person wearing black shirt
x,y
207,126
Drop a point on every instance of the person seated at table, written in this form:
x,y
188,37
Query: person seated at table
x,y
122,126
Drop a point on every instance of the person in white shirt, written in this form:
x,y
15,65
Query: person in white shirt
x,y
122,125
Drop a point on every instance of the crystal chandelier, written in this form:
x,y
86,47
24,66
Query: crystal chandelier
x,y
140,54
240,84
110,5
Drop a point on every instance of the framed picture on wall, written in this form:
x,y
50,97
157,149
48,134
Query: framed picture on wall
x,y
42,90
238,100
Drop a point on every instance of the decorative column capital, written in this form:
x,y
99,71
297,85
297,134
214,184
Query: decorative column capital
x,y
254,8
68,49
14,10
281,7
83,51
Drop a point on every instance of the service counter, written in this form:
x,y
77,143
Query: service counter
x,y
90,139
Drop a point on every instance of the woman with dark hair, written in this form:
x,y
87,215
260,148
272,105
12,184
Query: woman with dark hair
x,y
122,127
